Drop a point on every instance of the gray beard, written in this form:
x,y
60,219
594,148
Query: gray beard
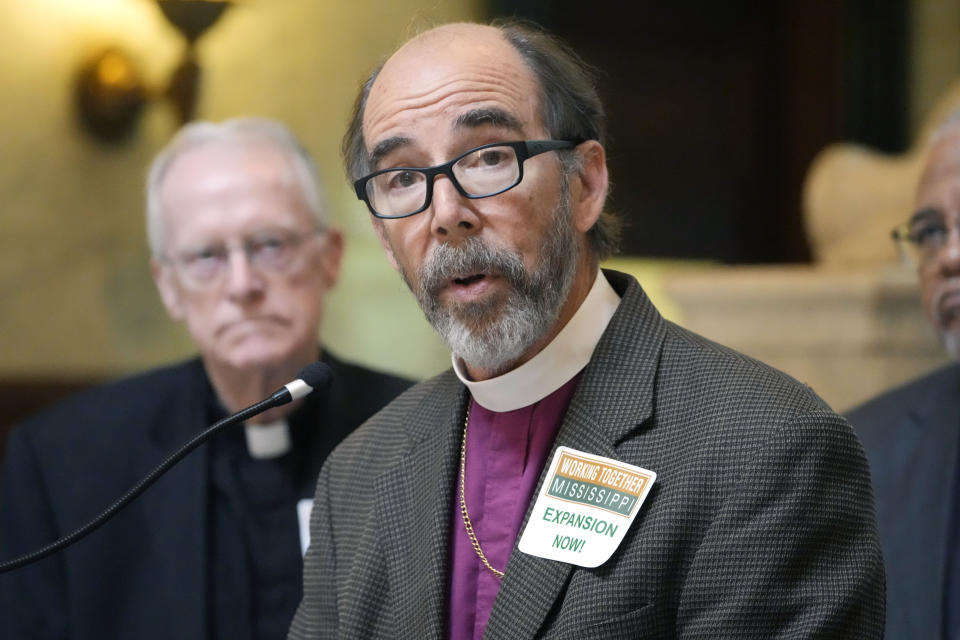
x,y
494,334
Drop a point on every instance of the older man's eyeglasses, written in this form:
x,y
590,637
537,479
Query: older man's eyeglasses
x,y
922,238
482,172
271,251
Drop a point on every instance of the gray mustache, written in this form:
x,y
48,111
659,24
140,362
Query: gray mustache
x,y
474,256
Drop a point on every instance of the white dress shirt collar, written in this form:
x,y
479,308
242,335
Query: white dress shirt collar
x,y
557,363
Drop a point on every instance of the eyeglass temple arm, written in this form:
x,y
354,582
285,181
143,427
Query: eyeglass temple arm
x,y
901,232
535,147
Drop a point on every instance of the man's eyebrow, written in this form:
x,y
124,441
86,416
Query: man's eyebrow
x,y
490,116
470,119
384,147
925,214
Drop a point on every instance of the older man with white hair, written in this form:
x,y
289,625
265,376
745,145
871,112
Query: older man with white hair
x,y
912,433
243,254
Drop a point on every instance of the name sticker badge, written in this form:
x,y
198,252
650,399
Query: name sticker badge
x,y
585,507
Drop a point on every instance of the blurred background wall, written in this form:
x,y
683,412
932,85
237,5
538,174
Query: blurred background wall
x,y
716,111
76,296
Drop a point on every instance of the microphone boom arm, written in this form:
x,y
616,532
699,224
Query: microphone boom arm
x,y
289,392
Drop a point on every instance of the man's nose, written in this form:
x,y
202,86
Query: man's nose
x,y
244,279
949,254
453,216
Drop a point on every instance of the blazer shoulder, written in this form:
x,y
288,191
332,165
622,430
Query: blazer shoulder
x,y
898,400
713,368
100,410
639,340
398,426
378,386
877,419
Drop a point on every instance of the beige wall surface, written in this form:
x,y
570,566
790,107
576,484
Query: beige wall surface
x,y
76,298
935,53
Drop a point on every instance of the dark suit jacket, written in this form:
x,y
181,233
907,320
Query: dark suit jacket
x,y
143,574
760,524
910,435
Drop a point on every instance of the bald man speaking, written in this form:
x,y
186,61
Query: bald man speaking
x,y
586,468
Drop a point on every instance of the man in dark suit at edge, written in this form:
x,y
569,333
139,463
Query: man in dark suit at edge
x,y
479,152
243,254
912,433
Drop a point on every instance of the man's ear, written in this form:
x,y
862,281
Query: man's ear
x,y
164,278
331,256
588,191
378,226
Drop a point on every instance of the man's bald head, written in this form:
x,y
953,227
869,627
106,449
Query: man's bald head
x,y
568,104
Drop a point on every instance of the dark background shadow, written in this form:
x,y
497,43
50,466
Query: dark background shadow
x,y
717,108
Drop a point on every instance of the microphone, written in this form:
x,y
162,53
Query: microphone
x,y
315,375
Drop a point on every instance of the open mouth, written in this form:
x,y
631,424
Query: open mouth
x,y
470,287
468,280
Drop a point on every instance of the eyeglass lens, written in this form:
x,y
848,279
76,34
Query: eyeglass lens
x,y
272,251
479,173
930,233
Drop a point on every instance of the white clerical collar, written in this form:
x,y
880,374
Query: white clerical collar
x,y
270,440
557,363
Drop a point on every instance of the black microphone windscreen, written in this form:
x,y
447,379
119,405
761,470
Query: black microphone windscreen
x,y
316,374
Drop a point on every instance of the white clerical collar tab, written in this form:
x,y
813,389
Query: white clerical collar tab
x,y
585,507
270,440
558,362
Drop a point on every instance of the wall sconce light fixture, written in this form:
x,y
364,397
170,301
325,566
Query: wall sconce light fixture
x,y
109,92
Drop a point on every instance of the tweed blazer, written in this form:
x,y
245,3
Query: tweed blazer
x,y
911,437
760,524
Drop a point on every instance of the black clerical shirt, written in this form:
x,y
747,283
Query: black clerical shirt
x,y
256,569
255,575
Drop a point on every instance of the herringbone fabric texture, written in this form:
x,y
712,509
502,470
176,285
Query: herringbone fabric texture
x,y
760,525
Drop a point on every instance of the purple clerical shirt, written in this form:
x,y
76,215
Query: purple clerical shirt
x,y
505,454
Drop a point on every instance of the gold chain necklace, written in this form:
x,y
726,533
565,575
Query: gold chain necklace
x,y
463,501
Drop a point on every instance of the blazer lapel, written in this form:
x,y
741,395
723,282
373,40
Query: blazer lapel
x,y
175,513
414,504
613,398
923,482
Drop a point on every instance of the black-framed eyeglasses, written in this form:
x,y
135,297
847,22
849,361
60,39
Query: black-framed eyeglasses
x,y
482,172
